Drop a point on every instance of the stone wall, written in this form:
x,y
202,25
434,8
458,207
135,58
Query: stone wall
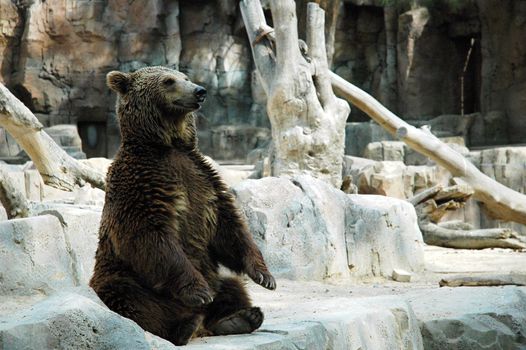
x,y
54,55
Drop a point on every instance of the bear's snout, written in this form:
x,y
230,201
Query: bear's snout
x,y
200,93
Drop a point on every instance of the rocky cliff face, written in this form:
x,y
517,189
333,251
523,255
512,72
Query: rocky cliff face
x,y
54,55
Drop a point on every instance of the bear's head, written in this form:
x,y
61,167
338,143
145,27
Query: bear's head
x,y
155,106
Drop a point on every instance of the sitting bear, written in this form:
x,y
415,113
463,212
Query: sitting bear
x,y
169,220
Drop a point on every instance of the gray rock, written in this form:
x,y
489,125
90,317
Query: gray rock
x,y
385,150
48,252
472,318
394,179
382,234
234,142
65,135
507,165
290,230
319,322
73,319
399,151
359,135
295,220
37,254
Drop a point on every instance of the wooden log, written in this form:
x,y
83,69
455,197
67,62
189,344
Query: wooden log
x,y
56,167
308,121
499,201
483,281
434,234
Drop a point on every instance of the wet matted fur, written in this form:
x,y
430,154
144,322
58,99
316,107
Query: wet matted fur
x,y
169,220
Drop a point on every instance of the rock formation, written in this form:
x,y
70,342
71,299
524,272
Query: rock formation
x,y
54,55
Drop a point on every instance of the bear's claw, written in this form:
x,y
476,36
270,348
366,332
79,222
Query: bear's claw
x,y
264,279
196,297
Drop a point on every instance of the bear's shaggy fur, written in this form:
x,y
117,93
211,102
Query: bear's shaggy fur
x,y
169,220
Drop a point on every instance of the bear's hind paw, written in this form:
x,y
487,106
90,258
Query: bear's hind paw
x,y
241,322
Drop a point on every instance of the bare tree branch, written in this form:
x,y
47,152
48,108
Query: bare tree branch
x,y
56,167
317,52
470,239
500,201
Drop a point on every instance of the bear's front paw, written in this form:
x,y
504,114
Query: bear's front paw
x,y
196,295
263,278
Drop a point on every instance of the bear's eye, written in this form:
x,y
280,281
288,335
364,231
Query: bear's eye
x,y
169,81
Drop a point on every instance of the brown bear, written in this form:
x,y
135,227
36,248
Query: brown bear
x,y
169,221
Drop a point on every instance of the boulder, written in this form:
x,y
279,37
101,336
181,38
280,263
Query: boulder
x,y
392,178
472,318
382,235
100,164
290,228
233,142
232,174
294,220
399,151
48,252
490,128
81,233
359,134
37,254
8,146
72,319
327,323
26,180
507,165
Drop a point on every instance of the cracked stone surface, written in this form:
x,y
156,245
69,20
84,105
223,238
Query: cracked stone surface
x,y
50,255
48,252
351,236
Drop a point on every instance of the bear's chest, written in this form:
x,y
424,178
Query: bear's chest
x,y
196,200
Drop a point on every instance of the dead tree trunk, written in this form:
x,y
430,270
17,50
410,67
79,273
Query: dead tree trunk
x,y
432,204
332,11
308,121
499,201
56,167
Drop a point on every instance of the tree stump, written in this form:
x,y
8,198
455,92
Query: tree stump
x,y
307,119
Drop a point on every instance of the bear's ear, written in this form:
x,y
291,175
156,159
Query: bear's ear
x,y
118,81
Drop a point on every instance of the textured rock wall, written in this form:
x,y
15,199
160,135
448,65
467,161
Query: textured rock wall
x,y
503,27
57,53
54,55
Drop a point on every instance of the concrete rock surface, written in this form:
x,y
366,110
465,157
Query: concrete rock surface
x,y
48,252
72,319
296,241
472,318
308,230
382,235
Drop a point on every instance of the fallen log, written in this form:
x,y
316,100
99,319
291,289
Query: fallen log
x,y
434,234
484,281
432,204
